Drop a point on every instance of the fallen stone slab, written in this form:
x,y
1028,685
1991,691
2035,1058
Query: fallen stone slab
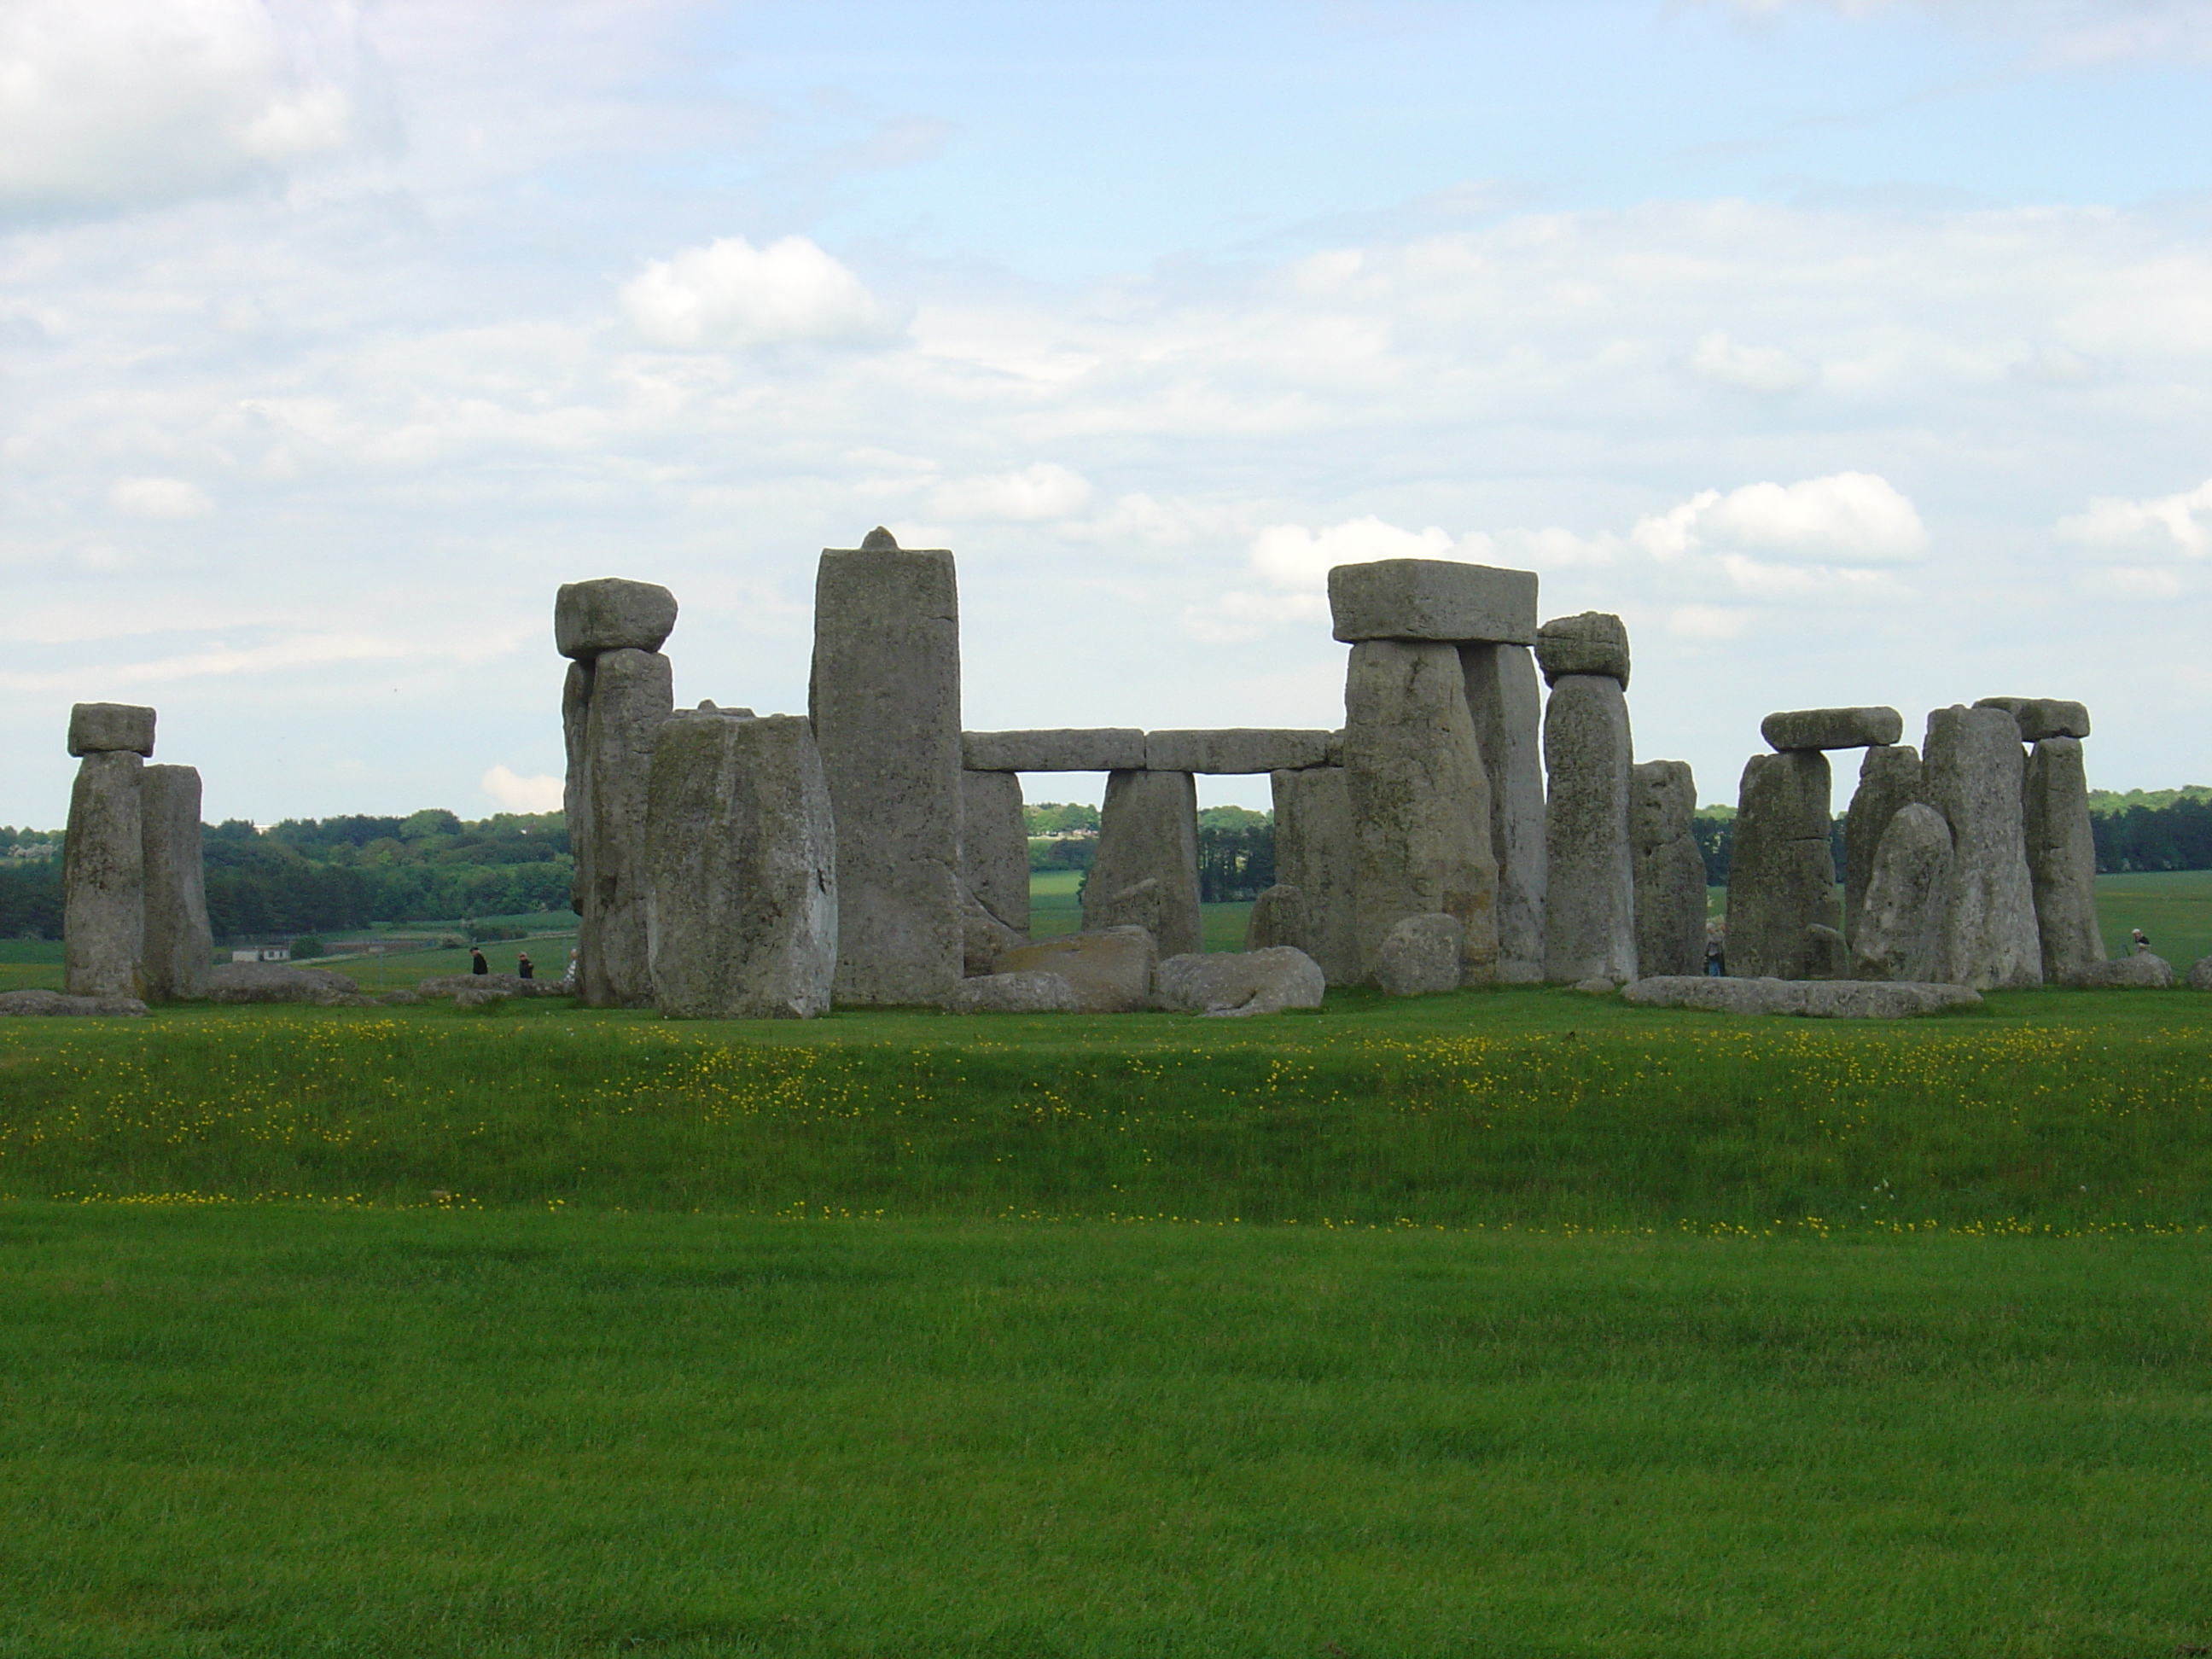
x,y
1236,750
277,981
1590,643
1440,599
1842,998
481,997
1254,982
402,998
1071,748
1420,955
110,728
1013,993
2200,976
2043,717
43,1003
611,614
445,985
2140,972
1110,970
1832,728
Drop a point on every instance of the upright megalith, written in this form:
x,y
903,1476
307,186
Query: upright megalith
x,y
576,792
1419,801
2061,858
1147,832
1899,931
1589,925
994,846
1670,870
104,877
1889,781
741,899
1782,874
179,950
1976,777
1508,711
1316,909
886,701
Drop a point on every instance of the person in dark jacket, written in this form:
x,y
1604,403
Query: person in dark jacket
x,y
477,963
522,966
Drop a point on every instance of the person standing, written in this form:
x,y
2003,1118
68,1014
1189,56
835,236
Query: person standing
x,y
477,963
522,968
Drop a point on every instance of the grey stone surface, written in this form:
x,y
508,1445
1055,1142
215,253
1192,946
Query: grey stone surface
x,y
1277,917
1975,777
178,949
1235,749
1599,986
576,794
1507,708
742,895
277,982
445,985
1420,955
108,728
1226,983
1440,599
994,846
1899,933
2200,974
1011,993
1590,927
611,614
104,878
983,936
1781,874
632,696
1075,749
2061,858
1814,1000
401,998
885,697
1419,799
1148,831
482,996
1137,905
1109,970
2141,972
1315,856
1590,643
1889,781
38,1003
1670,871
1832,728
2039,718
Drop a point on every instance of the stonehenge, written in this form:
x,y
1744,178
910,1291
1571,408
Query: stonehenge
x,y
1781,875
179,950
2062,857
1976,776
1313,905
1889,781
1670,870
1590,922
1148,834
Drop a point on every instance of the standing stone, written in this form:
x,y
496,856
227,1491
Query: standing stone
x,y
994,846
632,695
1889,781
1420,802
886,701
1148,831
2061,859
1508,711
1976,777
104,878
180,951
1670,871
1314,858
1589,903
1899,933
576,794
1781,875
741,908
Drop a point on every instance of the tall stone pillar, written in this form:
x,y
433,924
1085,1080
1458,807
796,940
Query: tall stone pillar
x,y
884,697
1315,861
1507,710
994,846
1589,900
1889,781
2061,858
104,852
619,690
1976,777
1670,871
1421,800
1900,930
1782,873
179,950
1148,832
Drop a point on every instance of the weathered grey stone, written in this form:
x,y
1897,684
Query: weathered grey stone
x,y
885,697
742,894
576,791
1592,642
1421,801
38,1002
1420,955
611,614
178,949
277,982
1137,905
482,996
1814,1000
1277,917
1670,871
110,728
632,696
104,878
1899,933
2141,972
1504,701
1833,728
1078,748
2061,858
1599,986
994,846
1889,781
1011,993
1438,599
1315,856
1589,925
983,936
1225,983
1781,874
2039,718
1235,749
1148,830
1975,778
2200,974
1335,756
445,985
1109,970
401,998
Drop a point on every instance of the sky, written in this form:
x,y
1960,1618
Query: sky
x,y
1853,352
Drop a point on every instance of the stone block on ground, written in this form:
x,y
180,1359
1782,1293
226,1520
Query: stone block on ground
x,y
1832,728
2061,858
1507,707
36,1002
445,985
277,982
2039,718
1590,643
1315,856
2141,972
1781,872
1975,778
104,878
1440,599
1900,935
1889,781
1236,750
1815,999
611,614
179,950
1013,993
110,728
1277,917
632,696
1420,955
1148,831
482,996
2200,974
1110,970
1670,870
401,998
1073,749
1137,905
1589,923
994,846
983,936
1226,983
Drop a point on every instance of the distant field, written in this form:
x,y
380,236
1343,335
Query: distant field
x,y
2174,906
1054,909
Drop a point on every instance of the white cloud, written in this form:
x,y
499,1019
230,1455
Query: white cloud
x,y
2182,522
160,498
1036,492
730,294
1291,556
1847,518
1766,369
515,793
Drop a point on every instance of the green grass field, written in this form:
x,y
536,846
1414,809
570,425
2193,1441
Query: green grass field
x,y
1055,909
